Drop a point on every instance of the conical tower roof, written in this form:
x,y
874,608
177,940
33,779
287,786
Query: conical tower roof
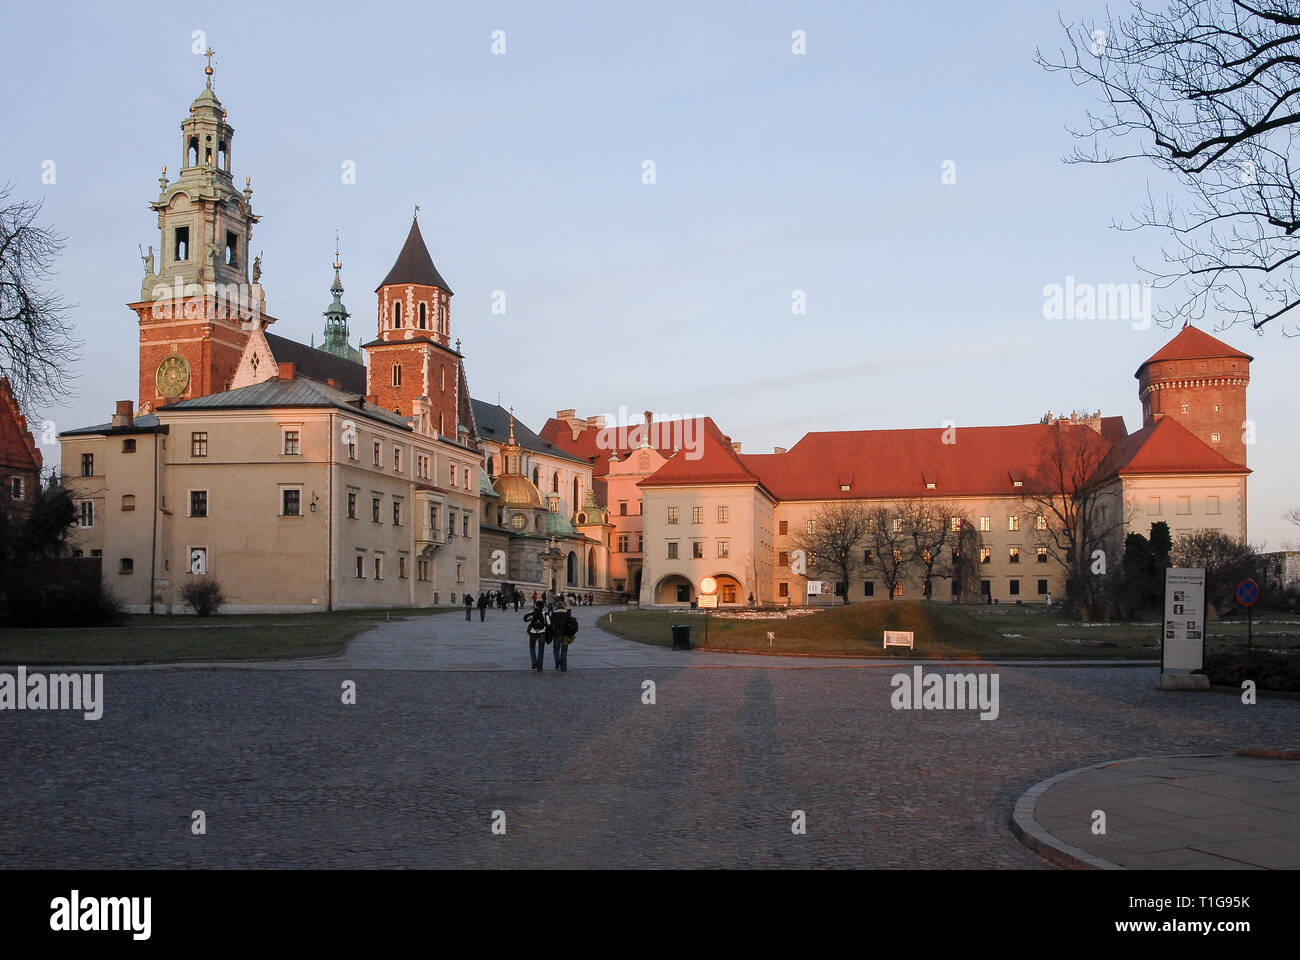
x,y
414,265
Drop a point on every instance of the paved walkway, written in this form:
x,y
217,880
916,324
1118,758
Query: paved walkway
x,y
1224,812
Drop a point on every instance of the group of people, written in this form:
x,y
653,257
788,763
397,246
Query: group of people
x,y
502,599
550,623
579,599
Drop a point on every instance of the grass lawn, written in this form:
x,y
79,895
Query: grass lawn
x,y
942,631
172,639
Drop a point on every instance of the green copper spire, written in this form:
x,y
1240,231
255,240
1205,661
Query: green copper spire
x,y
336,317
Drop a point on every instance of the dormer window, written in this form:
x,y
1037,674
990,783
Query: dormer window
x,y
930,484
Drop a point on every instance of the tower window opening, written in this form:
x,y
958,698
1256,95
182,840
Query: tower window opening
x,y
397,374
207,151
222,159
192,152
182,251
397,314
232,249
423,321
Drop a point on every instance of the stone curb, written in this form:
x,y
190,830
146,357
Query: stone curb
x,y
1034,836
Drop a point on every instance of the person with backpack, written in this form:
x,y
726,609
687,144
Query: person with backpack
x,y
482,607
539,630
469,606
564,626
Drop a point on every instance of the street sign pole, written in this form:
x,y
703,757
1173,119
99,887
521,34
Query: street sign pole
x,y
1247,595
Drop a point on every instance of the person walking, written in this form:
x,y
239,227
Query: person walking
x,y
539,627
482,607
564,625
469,607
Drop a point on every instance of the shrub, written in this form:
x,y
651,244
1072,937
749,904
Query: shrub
x,y
204,596
1270,671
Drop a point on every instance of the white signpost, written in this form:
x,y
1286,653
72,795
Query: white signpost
x,y
1183,634
706,602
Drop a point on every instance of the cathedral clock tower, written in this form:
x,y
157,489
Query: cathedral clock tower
x,y
198,301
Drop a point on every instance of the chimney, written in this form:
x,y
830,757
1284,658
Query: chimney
x,y
123,417
333,383
736,446
286,370
778,449
565,414
598,421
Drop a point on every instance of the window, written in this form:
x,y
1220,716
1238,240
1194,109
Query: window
x,y
128,501
397,314
783,559
724,514
783,590
451,474
1040,522
1212,505
422,466
379,568
810,526
1184,505
422,571
423,316
783,527
518,521
956,587
1041,555
638,543
555,482
86,513
352,504
451,523
1214,438
622,543
898,589
986,588
724,548
375,504
291,500
728,593
232,249
622,508
460,572
127,565
467,478
1013,524
352,446
869,588
181,250
1184,408
397,512
868,557
378,451
954,524
1153,506
198,503
985,525
697,514
986,555
199,444
1042,588
672,514
640,507
397,459
401,560
442,379
1013,554
672,549
697,549
292,443
1015,588
464,525
128,445
397,374
433,517
16,487
87,464
845,487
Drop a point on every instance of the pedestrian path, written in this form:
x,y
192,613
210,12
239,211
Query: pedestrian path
x,y
1224,812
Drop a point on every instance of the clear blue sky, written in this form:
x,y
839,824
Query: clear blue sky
x,y
775,173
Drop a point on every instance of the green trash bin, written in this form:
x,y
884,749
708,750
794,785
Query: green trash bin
x,y
681,636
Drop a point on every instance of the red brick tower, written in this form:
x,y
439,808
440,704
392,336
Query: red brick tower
x,y
413,368
197,303
1200,382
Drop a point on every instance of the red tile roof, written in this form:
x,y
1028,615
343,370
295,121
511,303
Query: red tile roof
x,y
596,444
712,461
18,450
1193,344
1164,446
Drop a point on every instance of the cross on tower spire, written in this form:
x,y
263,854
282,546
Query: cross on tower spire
x,y
209,53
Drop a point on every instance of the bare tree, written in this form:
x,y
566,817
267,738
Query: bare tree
x,y
1072,515
37,350
935,529
1292,516
1226,562
832,537
1205,90
891,545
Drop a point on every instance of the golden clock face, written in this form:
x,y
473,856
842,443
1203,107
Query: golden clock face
x,y
172,376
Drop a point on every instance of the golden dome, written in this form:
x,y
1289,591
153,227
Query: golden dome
x,y
517,490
